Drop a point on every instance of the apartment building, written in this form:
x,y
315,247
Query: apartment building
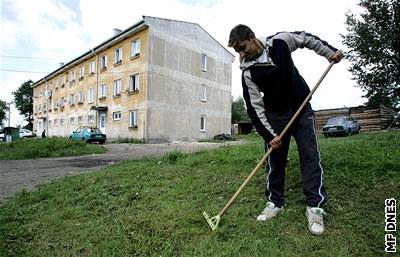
x,y
158,80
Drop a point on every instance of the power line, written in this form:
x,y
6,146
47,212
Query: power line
x,y
27,57
26,71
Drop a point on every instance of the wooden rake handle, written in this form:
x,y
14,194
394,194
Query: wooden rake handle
x,y
264,158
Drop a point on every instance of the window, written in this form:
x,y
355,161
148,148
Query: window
x,y
80,119
81,97
81,72
61,121
103,91
133,120
134,82
203,122
117,115
104,62
72,99
55,122
118,55
135,51
62,81
90,95
72,120
204,62
92,67
72,76
90,118
203,93
57,83
117,87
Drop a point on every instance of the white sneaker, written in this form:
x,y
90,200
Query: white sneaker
x,y
315,220
269,212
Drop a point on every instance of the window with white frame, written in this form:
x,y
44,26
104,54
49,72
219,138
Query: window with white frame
x,y
72,76
135,51
80,119
61,121
92,67
104,62
203,122
72,120
55,122
203,93
90,118
81,97
117,115
57,83
62,81
72,99
133,119
117,55
62,102
134,82
117,87
204,62
90,95
103,91
81,72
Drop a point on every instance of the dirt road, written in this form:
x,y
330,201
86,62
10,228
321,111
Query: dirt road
x,y
16,175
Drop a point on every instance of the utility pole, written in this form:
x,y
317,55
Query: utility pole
x,y
9,114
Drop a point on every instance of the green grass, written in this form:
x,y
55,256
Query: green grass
x,y
153,207
30,148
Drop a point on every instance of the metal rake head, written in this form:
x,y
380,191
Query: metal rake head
x,y
213,222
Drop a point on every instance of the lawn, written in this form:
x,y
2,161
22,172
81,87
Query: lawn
x,y
30,148
153,207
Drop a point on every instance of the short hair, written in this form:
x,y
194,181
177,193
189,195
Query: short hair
x,y
238,33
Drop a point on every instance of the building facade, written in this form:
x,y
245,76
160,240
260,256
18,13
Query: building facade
x,y
158,80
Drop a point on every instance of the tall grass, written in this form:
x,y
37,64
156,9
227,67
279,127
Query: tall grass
x,y
153,207
30,148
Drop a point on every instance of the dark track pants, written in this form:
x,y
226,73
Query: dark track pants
x,y
303,130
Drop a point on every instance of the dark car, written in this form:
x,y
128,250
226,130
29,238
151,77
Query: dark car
x,y
88,134
341,125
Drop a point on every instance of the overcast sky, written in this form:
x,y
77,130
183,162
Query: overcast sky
x,y
36,35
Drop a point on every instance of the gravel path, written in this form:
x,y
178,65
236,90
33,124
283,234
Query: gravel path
x,y
16,175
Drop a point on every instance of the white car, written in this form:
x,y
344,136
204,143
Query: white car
x,y
25,133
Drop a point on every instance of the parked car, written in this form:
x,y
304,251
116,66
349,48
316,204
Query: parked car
x,y
88,134
341,125
26,133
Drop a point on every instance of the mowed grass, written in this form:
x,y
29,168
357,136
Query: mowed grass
x,y
31,148
153,207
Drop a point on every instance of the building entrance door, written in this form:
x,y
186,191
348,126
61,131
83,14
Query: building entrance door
x,y
102,122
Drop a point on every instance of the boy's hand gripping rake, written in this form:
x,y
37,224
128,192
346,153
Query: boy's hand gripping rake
x,y
213,222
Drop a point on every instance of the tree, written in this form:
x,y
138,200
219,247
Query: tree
x,y
23,101
374,42
3,111
239,113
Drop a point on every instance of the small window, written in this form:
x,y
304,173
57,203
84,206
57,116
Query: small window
x,y
61,121
104,62
55,122
135,48
103,91
204,62
134,83
203,93
72,120
117,115
81,97
133,119
80,119
90,118
203,123
92,67
117,55
90,95
117,87
81,72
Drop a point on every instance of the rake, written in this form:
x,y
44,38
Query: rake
x,y
213,222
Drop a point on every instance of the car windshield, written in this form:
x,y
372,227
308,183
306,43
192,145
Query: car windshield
x,y
93,130
335,121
